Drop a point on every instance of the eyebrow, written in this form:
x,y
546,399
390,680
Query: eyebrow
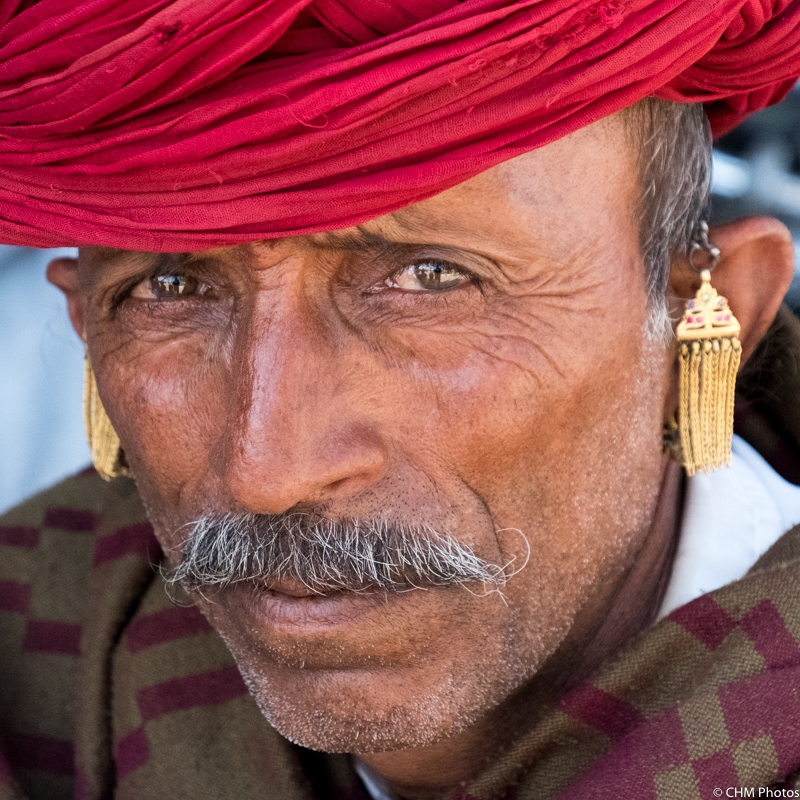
x,y
114,254
358,241
167,261
375,245
407,227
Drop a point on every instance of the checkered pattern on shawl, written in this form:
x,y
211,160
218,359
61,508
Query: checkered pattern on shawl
x,y
108,690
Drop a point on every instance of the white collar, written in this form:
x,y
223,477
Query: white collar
x,y
376,786
730,519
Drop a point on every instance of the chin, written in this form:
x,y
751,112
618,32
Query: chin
x,y
355,713
378,705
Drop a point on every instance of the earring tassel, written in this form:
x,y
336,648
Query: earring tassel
x,y
104,443
709,354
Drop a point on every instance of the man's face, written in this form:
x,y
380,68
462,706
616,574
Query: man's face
x,y
474,363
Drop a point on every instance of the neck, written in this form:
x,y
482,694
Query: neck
x,y
630,608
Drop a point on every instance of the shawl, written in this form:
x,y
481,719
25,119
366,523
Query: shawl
x,y
108,690
170,125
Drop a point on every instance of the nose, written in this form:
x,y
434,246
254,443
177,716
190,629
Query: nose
x,y
298,429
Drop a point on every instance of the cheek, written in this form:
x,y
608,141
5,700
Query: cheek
x,y
526,404
561,441
168,407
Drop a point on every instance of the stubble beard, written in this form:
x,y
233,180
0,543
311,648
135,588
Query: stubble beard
x,y
354,717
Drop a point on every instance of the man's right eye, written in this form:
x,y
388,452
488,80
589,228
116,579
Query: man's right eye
x,y
170,286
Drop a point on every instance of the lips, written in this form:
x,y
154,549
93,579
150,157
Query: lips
x,y
293,588
293,606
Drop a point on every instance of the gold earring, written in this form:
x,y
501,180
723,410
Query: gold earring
x,y
709,353
107,455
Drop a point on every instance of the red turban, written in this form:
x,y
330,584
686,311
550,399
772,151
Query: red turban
x,y
187,124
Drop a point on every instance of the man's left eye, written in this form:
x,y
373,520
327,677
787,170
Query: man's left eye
x,y
426,276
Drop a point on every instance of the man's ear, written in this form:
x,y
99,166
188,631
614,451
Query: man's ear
x,y
63,273
754,273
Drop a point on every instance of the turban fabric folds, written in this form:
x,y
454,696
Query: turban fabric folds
x,y
187,124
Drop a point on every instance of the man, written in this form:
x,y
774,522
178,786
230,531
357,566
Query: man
x,y
387,348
